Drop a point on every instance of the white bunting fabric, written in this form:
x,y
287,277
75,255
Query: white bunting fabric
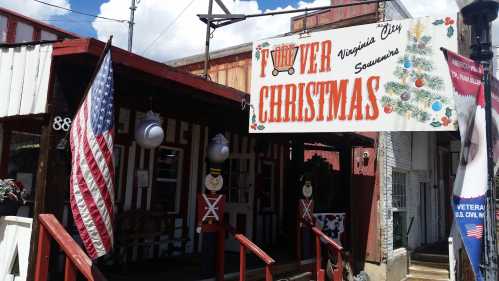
x,y
24,79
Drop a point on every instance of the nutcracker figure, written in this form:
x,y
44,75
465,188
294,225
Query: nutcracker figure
x,y
210,211
211,204
306,205
305,219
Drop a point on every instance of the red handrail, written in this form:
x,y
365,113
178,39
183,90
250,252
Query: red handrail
x,y
333,246
76,258
245,243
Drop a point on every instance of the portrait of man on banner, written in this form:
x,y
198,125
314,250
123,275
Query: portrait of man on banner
x,y
470,185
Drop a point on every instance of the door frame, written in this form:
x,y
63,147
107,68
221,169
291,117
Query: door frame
x,y
232,209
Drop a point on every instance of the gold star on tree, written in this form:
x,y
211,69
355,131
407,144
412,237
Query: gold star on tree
x,y
417,30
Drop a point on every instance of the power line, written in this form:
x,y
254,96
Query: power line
x,y
81,13
78,21
167,27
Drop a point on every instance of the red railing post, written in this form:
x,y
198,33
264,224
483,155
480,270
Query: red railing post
x,y
242,262
318,257
76,259
246,244
338,272
69,271
268,273
43,255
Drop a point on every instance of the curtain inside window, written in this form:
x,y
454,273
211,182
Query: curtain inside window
x,y
24,33
47,36
3,29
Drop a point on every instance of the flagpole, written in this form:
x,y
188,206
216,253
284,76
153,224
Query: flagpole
x,y
479,15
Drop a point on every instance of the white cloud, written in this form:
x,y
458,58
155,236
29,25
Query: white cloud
x,y
36,10
187,35
422,8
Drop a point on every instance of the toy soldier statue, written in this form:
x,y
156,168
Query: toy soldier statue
x,y
306,204
305,219
211,204
210,211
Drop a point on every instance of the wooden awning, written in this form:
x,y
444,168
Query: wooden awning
x,y
159,70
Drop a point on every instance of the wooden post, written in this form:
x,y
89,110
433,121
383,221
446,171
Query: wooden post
x,y
338,274
242,262
69,270
43,256
318,256
39,206
221,253
298,241
292,197
268,273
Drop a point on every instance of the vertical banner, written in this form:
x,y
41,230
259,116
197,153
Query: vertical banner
x,y
494,83
495,129
470,185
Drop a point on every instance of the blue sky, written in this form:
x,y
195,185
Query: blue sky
x,y
82,24
169,29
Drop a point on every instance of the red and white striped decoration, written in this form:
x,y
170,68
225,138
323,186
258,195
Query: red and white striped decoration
x,y
92,167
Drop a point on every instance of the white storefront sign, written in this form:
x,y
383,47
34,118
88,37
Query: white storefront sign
x,y
388,76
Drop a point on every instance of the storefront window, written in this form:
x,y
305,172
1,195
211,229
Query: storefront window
x,y
238,184
268,185
23,159
3,29
399,209
47,36
24,32
167,182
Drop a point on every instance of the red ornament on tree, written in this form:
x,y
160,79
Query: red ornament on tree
x,y
419,83
388,108
445,121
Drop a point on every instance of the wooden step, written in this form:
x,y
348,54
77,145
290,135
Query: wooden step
x,y
304,276
418,278
429,257
439,265
259,273
426,271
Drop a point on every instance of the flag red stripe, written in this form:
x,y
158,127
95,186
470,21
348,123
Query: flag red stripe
x,y
85,237
78,220
76,213
86,193
84,190
92,171
97,175
108,156
94,167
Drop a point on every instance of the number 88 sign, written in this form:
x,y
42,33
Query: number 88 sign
x,y
61,124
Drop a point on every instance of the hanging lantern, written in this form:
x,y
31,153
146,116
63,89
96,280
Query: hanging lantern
x,y
149,133
218,149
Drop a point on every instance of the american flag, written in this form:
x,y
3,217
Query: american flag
x,y
474,230
92,169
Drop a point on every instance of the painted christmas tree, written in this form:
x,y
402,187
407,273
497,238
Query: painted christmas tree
x,y
416,94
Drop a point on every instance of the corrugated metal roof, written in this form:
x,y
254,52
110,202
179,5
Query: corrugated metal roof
x,y
24,78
